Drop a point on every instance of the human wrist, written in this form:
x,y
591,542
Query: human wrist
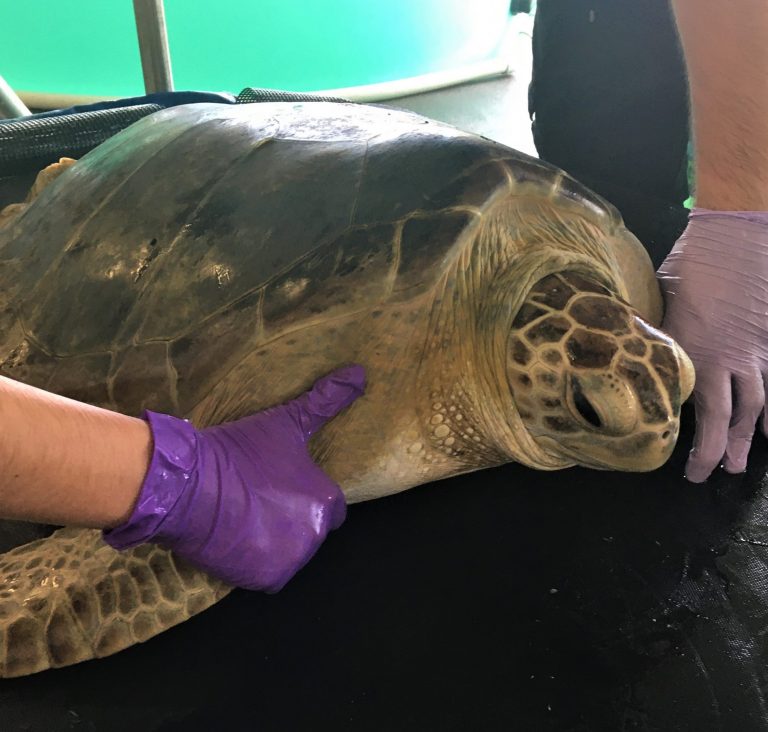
x,y
750,194
736,242
756,217
170,478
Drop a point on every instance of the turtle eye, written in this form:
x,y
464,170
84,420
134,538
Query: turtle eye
x,y
583,406
602,402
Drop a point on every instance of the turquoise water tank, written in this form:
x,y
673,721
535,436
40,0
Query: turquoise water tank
x,y
89,47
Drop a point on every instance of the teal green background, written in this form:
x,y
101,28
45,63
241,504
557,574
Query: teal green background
x,y
90,46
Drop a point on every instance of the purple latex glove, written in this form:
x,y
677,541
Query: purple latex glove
x,y
715,283
244,501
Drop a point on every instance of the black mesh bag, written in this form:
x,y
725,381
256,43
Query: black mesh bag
x,y
251,95
29,144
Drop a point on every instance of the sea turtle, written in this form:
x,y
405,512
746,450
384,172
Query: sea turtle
x,y
212,260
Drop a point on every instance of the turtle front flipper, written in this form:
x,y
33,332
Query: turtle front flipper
x,y
70,597
592,380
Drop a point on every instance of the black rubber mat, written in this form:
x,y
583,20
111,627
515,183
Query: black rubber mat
x,y
502,600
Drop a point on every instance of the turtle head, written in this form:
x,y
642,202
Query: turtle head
x,y
593,382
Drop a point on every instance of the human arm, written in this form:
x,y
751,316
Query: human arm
x,y
243,500
68,463
726,53
716,278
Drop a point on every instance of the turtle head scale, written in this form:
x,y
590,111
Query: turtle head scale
x,y
592,381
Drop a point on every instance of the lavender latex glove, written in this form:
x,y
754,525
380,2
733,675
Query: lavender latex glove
x,y
715,283
244,501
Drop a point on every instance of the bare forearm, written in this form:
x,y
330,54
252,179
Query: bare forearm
x,y
64,462
726,52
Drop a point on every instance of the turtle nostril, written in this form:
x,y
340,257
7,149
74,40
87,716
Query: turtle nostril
x,y
584,406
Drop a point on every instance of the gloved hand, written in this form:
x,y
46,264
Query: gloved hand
x,y
244,501
715,284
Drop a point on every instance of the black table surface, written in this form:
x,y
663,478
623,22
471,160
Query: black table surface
x,y
506,599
